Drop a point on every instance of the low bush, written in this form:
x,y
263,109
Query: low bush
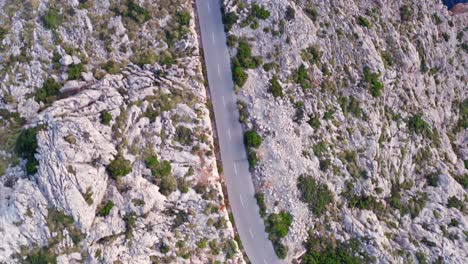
x,y
277,225
106,118
244,55
184,135
260,12
275,88
315,194
417,125
362,21
290,13
454,202
406,13
183,18
130,9
74,71
229,20
462,179
48,92
373,84
239,75
252,139
3,33
350,105
105,208
40,256
52,19
432,179
312,13
112,67
281,250
463,115
320,249
260,197
301,76
26,148
312,54
162,171
119,167
314,122
320,148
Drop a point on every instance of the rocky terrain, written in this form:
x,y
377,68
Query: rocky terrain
x,y
106,151
356,113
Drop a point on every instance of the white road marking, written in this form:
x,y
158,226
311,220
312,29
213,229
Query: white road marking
x,y
229,134
264,261
251,233
242,201
212,37
235,169
219,71
224,101
209,8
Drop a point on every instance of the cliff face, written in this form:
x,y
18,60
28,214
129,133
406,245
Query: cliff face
x,y
361,106
106,147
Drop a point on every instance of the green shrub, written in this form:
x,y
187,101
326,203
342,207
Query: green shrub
x,y
144,57
74,71
301,76
315,194
418,125
229,20
320,148
158,169
432,179
130,9
406,13
290,13
112,67
106,118
362,21
184,135
183,18
312,54
230,248
3,33
260,12
260,197
350,105
244,55
454,202
164,248
281,250
239,75
104,209
49,91
463,115
26,148
462,179
314,122
320,249
168,185
40,256
252,139
373,83
324,164
312,13
277,225
119,167
275,88
52,19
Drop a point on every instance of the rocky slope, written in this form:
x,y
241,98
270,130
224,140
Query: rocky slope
x,y
361,111
107,152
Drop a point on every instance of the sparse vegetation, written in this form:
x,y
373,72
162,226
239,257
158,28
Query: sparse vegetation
x,y
229,20
252,139
290,13
301,76
184,135
162,173
277,226
74,71
260,197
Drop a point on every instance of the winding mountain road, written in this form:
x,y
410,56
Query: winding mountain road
x,y
235,165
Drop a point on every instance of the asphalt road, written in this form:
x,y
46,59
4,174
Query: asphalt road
x,y
235,165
